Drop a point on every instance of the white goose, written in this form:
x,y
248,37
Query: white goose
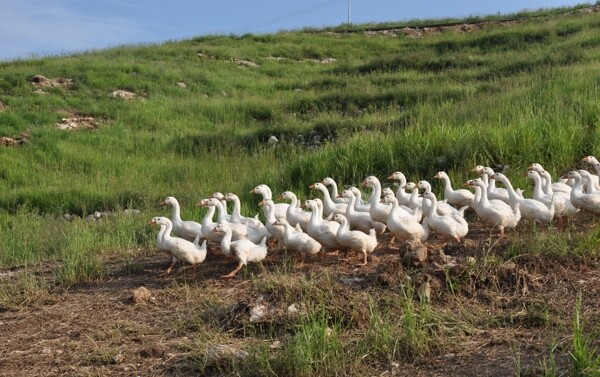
x,y
359,206
496,213
378,211
589,186
402,196
549,187
334,190
443,208
493,192
162,246
458,198
403,225
236,215
269,212
360,220
447,226
265,191
530,208
238,230
562,203
415,202
297,241
243,250
184,250
587,202
187,229
329,206
594,162
355,239
207,222
322,231
294,215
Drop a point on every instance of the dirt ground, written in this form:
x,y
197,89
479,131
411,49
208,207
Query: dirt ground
x,y
519,310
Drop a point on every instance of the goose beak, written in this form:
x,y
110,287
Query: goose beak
x,y
436,176
214,230
152,222
253,191
391,177
162,203
280,197
363,183
311,186
200,203
262,203
474,170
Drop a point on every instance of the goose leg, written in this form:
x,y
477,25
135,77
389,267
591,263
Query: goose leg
x,y
173,262
235,271
365,261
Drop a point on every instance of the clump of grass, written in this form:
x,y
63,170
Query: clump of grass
x,y
24,290
584,356
315,348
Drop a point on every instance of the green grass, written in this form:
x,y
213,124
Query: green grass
x,y
501,95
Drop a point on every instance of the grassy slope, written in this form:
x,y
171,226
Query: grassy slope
x,y
505,94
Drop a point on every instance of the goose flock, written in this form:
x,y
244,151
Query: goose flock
x,y
337,221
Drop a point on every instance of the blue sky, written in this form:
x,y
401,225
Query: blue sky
x,y
30,28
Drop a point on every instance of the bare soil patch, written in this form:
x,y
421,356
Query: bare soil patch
x,y
516,311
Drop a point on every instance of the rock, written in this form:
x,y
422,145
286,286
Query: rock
x,y
272,140
292,309
118,358
39,80
129,211
224,351
276,345
258,312
245,63
76,122
123,94
140,295
181,85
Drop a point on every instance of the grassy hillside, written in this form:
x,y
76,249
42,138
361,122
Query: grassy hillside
x,y
511,93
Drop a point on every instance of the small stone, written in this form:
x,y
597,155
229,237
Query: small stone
x,y
275,345
132,211
272,140
257,313
328,331
140,295
471,261
181,85
118,358
292,309
224,351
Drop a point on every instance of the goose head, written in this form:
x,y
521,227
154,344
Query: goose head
x,y
572,175
397,176
590,159
478,169
169,200
218,195
536,167
221,228
339,218
370,181
346,194
441,175
230,196
317,186
389,198
159,220
328,181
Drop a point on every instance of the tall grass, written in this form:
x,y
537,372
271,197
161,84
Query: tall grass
x,y
501,95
